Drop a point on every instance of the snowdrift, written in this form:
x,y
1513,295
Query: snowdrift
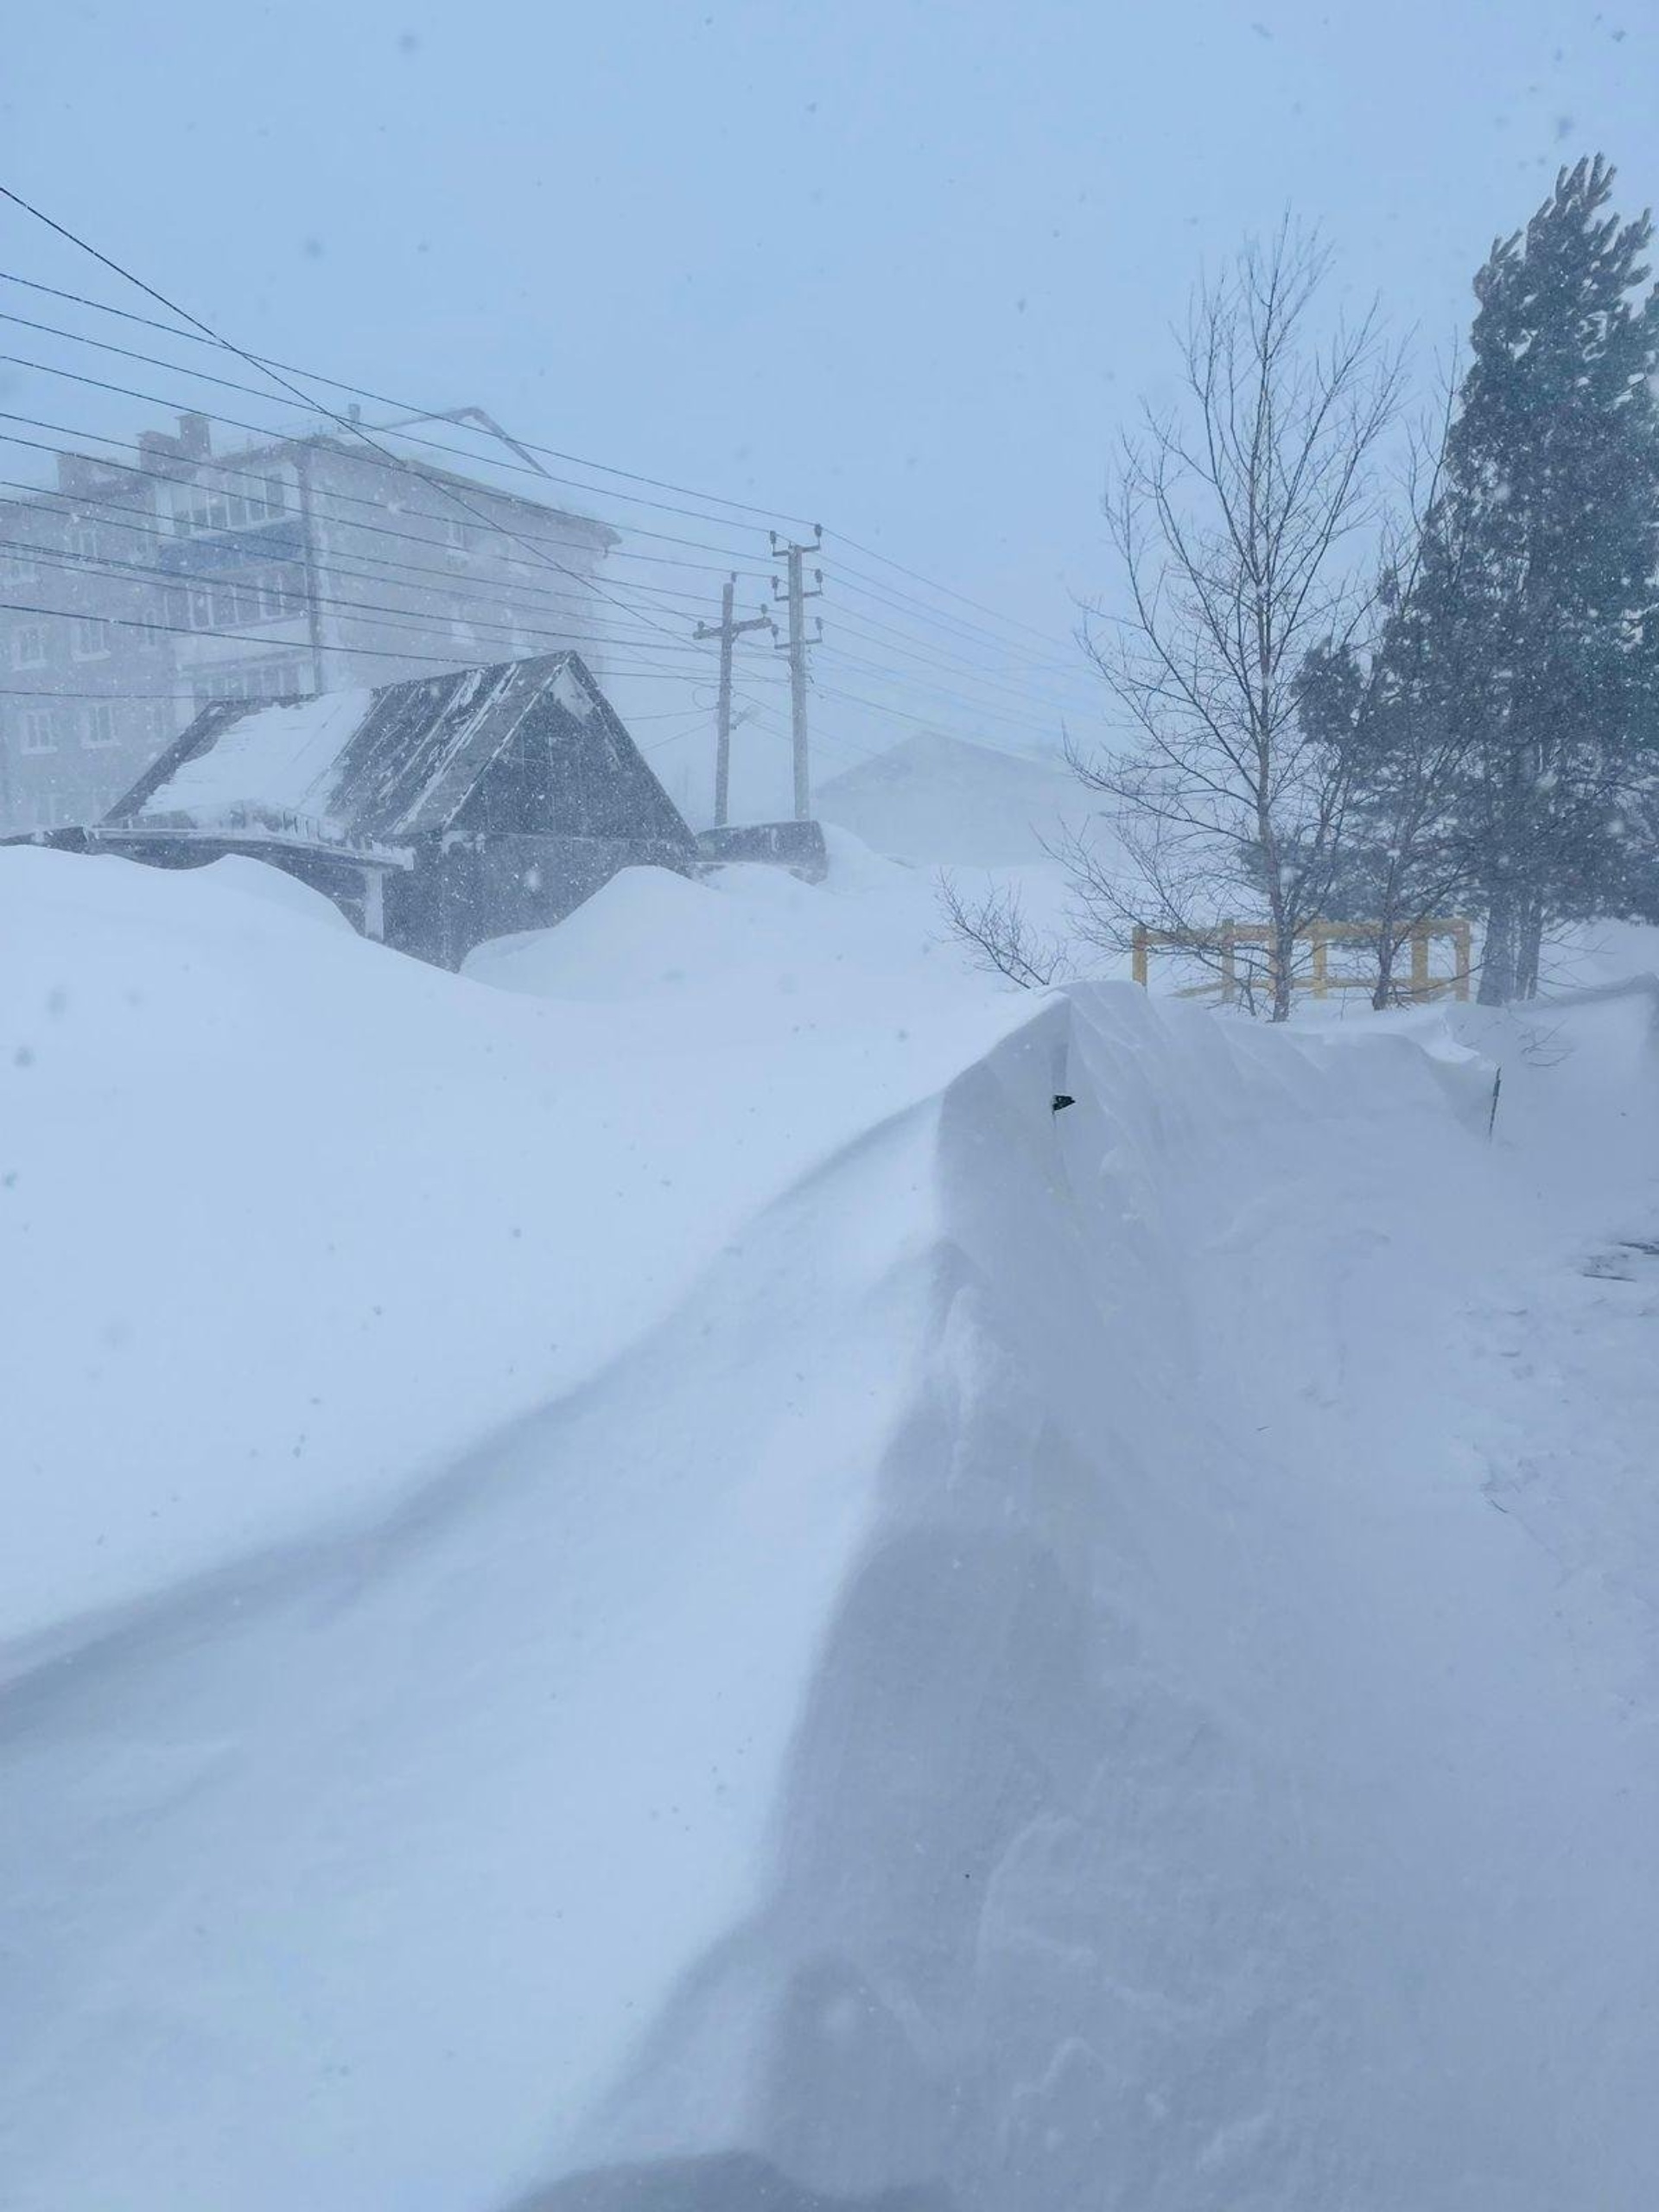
x,y
999,1684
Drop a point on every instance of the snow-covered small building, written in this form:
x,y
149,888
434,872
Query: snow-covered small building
x,y
933,800
435,814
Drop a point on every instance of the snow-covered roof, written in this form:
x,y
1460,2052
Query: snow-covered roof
x,y
934,797
388,766
286,756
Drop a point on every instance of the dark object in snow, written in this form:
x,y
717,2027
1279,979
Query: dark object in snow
x,y
733,2181
1491,1119
435,814
1062,1099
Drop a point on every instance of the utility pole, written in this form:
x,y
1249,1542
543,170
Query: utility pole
x,y
796,648
729,632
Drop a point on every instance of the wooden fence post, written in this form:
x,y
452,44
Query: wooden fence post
x,y
1229,963
1321,958
1419,963
1462,938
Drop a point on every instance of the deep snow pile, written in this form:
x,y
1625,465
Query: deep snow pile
x,y
831,1613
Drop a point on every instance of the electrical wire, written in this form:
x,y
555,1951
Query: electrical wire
x,y
225,469
407,436
856,580
306,399
134,572
381,399
868,553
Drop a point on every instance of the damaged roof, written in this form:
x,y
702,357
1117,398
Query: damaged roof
x,y
387,766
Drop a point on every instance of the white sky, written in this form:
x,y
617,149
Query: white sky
x,y
903,267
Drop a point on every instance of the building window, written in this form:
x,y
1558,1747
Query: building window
x,y
83,541
40,731
280,679
253,499
456,534
29,647
280,597
19,568
98,726
91,638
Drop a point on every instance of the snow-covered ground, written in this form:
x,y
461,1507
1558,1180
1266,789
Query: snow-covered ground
x,y
640,1554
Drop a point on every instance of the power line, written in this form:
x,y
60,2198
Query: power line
x,y
1010,663
456,583
762,716
288,646
881,707
920,684
71,501
952,624
445,488
132,571
172,698
381,399
916,577
454,580
872,587
226,469
388,459
419,624
457,586
408,437
956,668
306,399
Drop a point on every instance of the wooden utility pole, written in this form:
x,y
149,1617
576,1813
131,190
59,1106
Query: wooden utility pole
x,y
795,646
729,632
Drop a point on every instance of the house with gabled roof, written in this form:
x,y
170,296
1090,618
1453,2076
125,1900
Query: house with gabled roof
x,y
436,813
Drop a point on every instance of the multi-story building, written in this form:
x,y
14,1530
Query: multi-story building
x,y
87,693
133,595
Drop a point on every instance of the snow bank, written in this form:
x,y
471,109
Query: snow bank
x,y
1022,1667
1192,1744
293,1218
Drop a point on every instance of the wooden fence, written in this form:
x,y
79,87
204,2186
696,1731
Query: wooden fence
x,y
1231,946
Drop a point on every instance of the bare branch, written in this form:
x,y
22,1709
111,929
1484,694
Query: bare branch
x,y
998,937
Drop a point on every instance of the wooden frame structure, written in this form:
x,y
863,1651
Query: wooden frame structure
x,y
1225,941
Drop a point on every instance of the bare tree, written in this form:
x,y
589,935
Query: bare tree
x,y
1242,524
999,939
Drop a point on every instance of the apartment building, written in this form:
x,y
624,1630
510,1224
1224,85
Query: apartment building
x,y
132,594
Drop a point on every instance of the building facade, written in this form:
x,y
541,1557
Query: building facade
x,y
133,595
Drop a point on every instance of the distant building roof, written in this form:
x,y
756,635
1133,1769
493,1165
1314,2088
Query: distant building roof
x,y
384,767
937,799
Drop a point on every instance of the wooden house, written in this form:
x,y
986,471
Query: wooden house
x,y
436,813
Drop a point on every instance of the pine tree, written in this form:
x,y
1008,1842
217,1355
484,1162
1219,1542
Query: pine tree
x,y
1403,857
1537,597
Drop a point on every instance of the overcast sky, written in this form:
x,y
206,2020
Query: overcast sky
x,y
901,267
